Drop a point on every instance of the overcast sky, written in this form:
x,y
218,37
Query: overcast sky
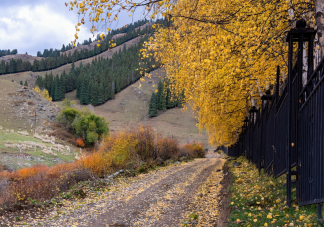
x,y
34,25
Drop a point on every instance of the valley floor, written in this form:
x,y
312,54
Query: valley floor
x,y
183,194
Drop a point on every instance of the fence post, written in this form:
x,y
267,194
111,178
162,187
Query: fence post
x,y
290,53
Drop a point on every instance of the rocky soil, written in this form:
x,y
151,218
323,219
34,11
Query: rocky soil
x,y
30,105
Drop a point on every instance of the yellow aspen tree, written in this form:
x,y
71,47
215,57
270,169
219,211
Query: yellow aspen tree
x,y
223,53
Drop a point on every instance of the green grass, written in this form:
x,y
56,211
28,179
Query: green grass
x,y
260,200
15,138
9,155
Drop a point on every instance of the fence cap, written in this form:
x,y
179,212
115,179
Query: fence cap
x,y
308,34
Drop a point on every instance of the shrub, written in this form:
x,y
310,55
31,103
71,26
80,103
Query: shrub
x,y
43,93
145,147
84,124
193,150
67,116
89,126
80,142
168,148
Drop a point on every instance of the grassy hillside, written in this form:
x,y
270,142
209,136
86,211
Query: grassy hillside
x,y
130,107
17,106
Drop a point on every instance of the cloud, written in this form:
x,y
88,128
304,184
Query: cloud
x,y
34,27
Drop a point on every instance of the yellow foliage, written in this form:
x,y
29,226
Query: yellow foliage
x,y
43,93
223,54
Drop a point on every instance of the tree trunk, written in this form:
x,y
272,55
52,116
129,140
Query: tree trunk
x,y
319,25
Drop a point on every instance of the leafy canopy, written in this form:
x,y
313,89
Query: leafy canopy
x,y
223,53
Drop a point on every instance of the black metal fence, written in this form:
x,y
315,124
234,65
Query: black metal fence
x,y
288,129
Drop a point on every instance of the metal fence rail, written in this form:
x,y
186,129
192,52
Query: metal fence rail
x,y
287,131
311,140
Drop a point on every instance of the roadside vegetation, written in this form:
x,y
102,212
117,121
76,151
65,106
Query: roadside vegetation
x,y
83,124
136,149
260,200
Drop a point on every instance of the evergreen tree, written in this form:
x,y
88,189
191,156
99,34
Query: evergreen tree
x,y
21,83
169,102
101,94
61,88
161,98
152,106
3,67
26,84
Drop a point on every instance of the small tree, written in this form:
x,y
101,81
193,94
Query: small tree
x,y
26,84
21,83
152,106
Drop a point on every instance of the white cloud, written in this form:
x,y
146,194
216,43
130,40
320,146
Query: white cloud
x,y
36,27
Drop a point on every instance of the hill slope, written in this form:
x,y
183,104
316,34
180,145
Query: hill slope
x,y
24,57
130,108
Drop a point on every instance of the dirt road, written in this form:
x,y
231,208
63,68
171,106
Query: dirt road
x,y
164,197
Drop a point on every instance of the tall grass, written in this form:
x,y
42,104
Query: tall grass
x,y
127,149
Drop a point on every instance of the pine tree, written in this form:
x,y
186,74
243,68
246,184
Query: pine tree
x,y
169,102
101,94
161,99
21,83
26,84
152,106
62,87
94,94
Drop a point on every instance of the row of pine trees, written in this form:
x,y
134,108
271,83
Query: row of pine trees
x,y
8,52
165,98
99,81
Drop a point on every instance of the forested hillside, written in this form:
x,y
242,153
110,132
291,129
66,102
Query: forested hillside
x,y
55,58
99,81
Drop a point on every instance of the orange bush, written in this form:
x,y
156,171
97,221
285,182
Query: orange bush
x,y
95,163
80,142
29,172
